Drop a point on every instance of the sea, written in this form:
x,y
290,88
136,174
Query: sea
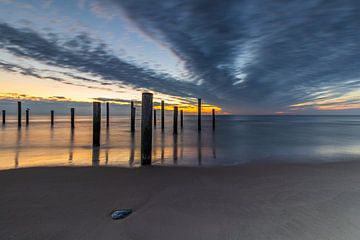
x,y
235,140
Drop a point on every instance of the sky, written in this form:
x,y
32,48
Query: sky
x,y
239,56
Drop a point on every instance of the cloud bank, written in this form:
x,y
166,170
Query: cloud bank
x,y
246,56
262,54
85,55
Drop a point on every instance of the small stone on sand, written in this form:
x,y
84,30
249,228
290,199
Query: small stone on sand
x,y
120,214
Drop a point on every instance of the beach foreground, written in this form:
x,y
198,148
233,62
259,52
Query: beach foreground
x,y
244,202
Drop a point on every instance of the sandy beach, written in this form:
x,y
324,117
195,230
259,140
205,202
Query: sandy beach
x,y
278,201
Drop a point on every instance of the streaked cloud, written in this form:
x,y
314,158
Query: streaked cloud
x,y
103,10
245,56
19,97
349,100
262,55
84,54
81,4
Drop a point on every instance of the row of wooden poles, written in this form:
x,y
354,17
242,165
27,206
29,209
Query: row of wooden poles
x,y
27,116
147,114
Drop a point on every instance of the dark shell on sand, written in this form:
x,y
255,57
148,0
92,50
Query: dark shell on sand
x,y
120,214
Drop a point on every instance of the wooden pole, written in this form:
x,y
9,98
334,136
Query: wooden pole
x,y
107,114
132,120
175,130
52,117
27,117
154,117
3,116
146,128
213,119
72,118
19,114
199,114
181,119
96,123
162,115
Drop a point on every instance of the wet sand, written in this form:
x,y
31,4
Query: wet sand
x,y
278,201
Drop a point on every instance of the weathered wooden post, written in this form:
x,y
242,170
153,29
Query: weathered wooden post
x,y
175,130
52,117
133,113
146,128
3,116
107,114
199,114
213,119
72,118
132,118
155,118
96,123
19,114
162,115
181,119
27,117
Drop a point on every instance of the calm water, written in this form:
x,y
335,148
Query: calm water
x,y
237,139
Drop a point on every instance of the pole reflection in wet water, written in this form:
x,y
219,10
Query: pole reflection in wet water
x,y
107,138
199,148
18,147
96,156
182,143
155,146
71,148
175,148
162,146
132,149
213,144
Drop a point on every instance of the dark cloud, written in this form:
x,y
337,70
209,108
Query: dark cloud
x,y
20,97
138,102
85,55
42,74
284,52
116,100
244,55
59,97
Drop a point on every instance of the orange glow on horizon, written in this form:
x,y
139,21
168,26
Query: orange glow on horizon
x,y
191,108
347,101
339,107
188,108
20,87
